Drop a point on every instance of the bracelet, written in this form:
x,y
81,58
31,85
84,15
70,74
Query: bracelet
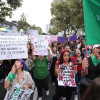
x,y
11,76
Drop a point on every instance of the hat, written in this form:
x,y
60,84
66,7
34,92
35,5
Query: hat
x,y
22,61
96,45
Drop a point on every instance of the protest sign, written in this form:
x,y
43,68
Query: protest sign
x,y
67,77
54,38
13,47
19,94
62,39
31,32
40,43
73,38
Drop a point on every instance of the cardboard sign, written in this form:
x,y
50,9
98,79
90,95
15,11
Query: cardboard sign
x,y
19,94
40,43
67,77
13,47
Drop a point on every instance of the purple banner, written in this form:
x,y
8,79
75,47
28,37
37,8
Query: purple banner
x,y
73,38
62,39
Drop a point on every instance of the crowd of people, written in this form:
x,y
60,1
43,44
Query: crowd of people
x,y
35,70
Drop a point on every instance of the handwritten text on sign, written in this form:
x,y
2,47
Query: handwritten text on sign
x,y
67,77
13,47
40,44
19,94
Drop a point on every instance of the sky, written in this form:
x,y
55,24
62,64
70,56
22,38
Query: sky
x,y
37,12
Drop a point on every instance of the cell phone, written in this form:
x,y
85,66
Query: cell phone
x,y
77,60
73,60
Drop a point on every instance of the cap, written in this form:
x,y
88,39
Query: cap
x,y
96,45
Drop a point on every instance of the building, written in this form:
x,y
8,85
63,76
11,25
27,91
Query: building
x,y
10,27
48,26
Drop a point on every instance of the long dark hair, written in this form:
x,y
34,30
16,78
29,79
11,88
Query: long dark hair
x,y
61,60
93,92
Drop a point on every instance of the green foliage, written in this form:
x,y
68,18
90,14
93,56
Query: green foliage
x,y
66,15
22,23
54,30
6,8
61,17
36,28
14,3
77,17
44,34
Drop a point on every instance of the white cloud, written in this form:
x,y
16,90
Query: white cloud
x,y
37,12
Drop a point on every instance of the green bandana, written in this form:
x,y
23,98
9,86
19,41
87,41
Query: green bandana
x,y
95,60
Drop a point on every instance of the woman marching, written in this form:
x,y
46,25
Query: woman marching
x,y
54,58
18,76
63,91
41,72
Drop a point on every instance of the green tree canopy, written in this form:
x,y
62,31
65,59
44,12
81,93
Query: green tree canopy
x,y
7,6
66,15
36,28
22,23
54,30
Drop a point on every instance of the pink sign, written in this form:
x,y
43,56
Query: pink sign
x,y
54,38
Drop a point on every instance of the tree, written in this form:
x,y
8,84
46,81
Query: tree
x,y
77,17
7,6
61,15
67,14
36,28
22,23
54,30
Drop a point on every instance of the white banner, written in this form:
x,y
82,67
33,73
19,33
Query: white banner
x,y
19,94
40,43
32,32
67,77
13,47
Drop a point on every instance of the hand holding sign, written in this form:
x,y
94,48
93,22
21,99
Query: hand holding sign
x,y
75,71
19,94
25,87
58,71
32,47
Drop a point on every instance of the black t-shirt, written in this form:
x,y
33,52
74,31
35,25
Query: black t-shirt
x,y
93,71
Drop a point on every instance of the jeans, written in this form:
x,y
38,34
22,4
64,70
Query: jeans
x,y
77,80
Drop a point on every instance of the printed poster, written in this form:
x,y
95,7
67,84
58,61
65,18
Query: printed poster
x,y
13,47
67,77
19,94
40,43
